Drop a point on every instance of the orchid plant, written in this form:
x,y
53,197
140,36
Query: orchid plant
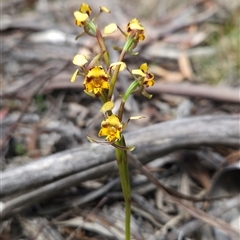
x,y
100,77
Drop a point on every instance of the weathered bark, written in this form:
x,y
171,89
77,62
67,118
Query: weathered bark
x,y
150,142
223,94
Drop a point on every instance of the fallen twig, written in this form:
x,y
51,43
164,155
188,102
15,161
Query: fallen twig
x,y
191,226
188,90
190,209
92,161
150,142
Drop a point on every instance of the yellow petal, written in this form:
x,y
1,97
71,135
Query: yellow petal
x,y
80,18
136,26
149,83
73,78
141,37
138,72
85,8
104,9
118,135
79,60
88,86
97,71
105,84
107,106
144,67
97,91
110,28
122,65
110,138
103,132
114,121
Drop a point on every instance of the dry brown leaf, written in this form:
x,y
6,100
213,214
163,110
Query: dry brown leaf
x,y
197,170
185,66
233,157
32,150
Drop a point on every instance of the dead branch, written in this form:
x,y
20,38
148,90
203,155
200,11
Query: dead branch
x,y
223,94
19,203
207,92
156,140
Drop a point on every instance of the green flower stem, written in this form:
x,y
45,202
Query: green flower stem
x,y
104,96
130,44
121,110
129,91
125,183
115,75
103,47
90,28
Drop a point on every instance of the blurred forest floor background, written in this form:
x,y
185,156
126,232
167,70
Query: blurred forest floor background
x,y
57,185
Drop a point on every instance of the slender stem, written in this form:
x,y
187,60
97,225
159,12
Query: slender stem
x,y
115,75
103,48
128,219
104,96
125,183
127,199
121,109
